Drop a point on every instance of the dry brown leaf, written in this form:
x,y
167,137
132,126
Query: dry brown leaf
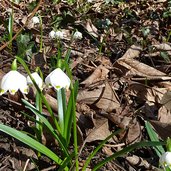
x,y
134,132
100,132
136,68
138,161
100,73
91,29
162,129
164,115
143,92
103,97
163,46
132,52
166,100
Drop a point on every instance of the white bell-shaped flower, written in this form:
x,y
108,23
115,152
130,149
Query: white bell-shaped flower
x,y
36,78
77,35
52,34
12,82
165,159
35,20
59,34
58,79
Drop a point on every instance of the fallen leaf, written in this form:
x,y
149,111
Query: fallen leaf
x,y
136,68
100,73
164,47
100,132
103,97
151,94
92,30
134,132
132,52
166,100
162,129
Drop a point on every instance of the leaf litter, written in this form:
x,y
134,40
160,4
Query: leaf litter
x,y
122,72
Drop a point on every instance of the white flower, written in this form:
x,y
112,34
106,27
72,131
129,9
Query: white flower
x,y
58,79
56,34
12,82
37,79
89,1
35,20
59,34
77,35
165,159
52,34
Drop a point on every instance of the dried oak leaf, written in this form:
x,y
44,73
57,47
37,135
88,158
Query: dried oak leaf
x,y
143,92
103,97
100,73
100,132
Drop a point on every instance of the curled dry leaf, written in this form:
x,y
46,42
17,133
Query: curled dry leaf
x,y
100,73
138,161
164,47
166,100
164,115
103,97
136,68
100,132
132,52
143,92
134,132
92,30
162,129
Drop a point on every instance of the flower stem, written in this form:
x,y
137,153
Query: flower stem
x,y
75,131
60,110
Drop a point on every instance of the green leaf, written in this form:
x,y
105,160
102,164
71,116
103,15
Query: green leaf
x,y
153,137
48,125
98,148
30,142
126,150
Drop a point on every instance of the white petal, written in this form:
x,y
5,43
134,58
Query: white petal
x,y
77,35
59,34
58,79
35,20
52,34
37,79
12,82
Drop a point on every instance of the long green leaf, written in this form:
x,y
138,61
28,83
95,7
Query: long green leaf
x,y
30,142
98,148
48,125
126,150
153,136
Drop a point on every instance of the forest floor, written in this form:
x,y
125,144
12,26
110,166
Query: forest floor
x,y
122,64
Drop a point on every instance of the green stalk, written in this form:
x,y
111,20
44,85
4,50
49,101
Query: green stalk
x,y
41,34
60,111
126,150
39,108
41,94
10,27
75,130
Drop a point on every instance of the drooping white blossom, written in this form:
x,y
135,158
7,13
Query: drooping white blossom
x,y
12,82
35,20
58,79
56,34
59,34
77,35
37,79
52,34
165,159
